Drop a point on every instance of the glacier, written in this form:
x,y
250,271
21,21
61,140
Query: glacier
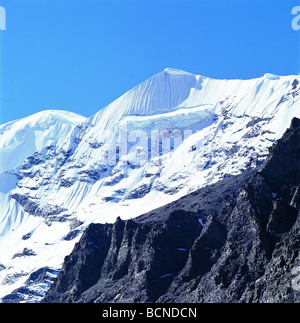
x,y
167,137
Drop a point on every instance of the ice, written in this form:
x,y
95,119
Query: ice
x,y
174,71
271,76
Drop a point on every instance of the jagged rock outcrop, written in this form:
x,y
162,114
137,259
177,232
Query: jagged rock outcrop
x,y
131,261
235,241
33,286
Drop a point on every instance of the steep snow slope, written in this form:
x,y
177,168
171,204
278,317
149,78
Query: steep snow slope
x,y
170,135
20,139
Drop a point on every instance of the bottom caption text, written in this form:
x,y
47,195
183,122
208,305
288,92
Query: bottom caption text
x,y
149,312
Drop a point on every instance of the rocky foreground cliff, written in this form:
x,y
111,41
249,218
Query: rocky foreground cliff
x,y
235,241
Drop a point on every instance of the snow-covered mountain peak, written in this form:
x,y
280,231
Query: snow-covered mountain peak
x,y
45,117
164,92
168,136
174,89
21,138
59,116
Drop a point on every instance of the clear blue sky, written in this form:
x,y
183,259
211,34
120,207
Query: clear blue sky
x,y
80,55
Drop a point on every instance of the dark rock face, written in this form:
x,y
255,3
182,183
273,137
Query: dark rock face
x,y
25,252
42,276
33,207
130,261
282,166
247,251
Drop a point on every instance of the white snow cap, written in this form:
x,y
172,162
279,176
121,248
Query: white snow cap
x,y
174,71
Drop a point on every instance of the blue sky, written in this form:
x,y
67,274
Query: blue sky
x,y
80,55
